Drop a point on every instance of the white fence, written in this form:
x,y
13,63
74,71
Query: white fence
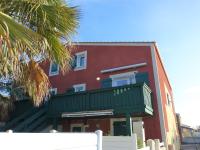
x,y
72,141
51,141
120,142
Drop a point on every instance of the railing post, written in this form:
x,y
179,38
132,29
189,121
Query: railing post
x,y
151,144
99,134
157,144
128,125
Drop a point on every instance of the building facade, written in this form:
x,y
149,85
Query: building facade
x,y
99,65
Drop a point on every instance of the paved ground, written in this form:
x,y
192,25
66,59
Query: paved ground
x,y
190,147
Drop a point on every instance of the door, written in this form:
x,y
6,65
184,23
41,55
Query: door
x,y
119,128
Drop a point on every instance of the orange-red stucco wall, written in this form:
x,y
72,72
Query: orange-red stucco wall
x,y
168,108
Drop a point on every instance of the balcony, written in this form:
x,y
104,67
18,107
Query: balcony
x,y
133,99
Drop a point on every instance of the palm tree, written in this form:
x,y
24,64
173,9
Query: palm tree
x,y
30,29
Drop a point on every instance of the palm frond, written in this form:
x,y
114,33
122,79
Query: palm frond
x,y
31,28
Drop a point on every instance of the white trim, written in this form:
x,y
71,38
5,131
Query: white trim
x,y
79,85
115,43
53,73
124,67
85,63
77,125
53,89
88,114
158,95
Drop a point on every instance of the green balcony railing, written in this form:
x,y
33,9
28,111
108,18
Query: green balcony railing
x,y
134,99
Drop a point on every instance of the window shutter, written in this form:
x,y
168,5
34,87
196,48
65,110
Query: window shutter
x,y
142,77
70,90
73,62
106,83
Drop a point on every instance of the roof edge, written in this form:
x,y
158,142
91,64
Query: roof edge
x,y
115,43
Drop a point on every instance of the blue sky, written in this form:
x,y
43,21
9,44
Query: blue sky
x,y
173,24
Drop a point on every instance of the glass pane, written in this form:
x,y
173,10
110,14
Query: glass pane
x,y
82,61
76,129
54,67
121,82
78,89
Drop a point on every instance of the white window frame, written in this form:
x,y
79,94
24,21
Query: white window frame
x,y
77,125
77,59
79,85
53,89
53,73
123,76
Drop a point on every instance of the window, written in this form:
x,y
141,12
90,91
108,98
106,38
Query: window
x,y
53,91
79,87
168,99
54,69
77,127
123,79
80,60
168,96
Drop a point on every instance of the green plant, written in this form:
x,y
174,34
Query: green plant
x,y
139,143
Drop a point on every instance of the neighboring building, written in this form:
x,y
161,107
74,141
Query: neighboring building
x,y
179,122
101,65
186,131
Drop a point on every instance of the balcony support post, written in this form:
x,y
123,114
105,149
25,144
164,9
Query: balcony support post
x,y
129,129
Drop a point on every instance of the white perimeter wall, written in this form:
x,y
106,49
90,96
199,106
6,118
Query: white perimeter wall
x,y
49,141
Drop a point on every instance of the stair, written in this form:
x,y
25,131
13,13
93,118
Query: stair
x,y
33,120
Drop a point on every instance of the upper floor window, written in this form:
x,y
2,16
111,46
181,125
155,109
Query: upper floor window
x,y
80,60
123,79
79,87
54,69
168,99
53,91
168,96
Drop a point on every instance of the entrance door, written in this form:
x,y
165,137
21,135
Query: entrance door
x,y
119,128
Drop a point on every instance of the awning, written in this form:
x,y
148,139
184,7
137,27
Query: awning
x,y
87,113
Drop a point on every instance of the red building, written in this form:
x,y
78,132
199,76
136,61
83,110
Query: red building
x,y
99,65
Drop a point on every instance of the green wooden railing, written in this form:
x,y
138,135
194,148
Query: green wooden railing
x,y
134,99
